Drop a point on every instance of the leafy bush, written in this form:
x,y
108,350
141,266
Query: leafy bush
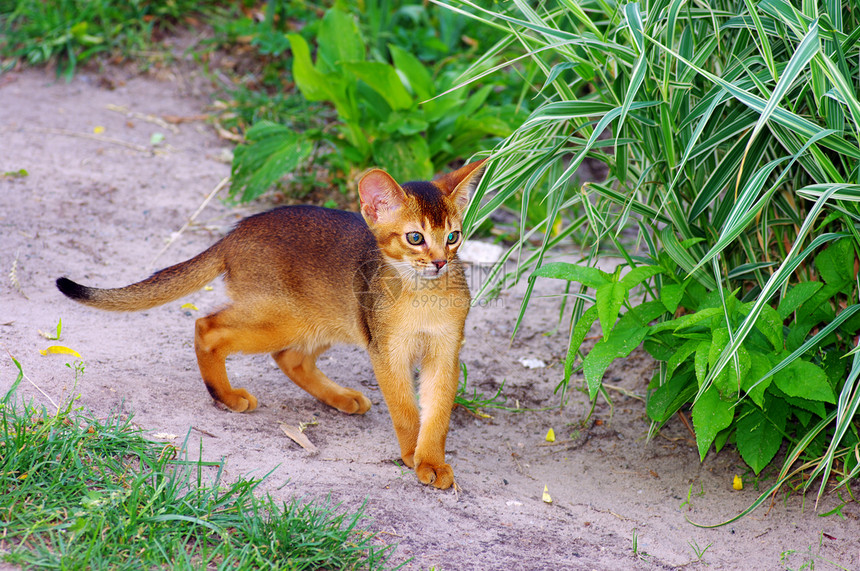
x,y
732,158
393,115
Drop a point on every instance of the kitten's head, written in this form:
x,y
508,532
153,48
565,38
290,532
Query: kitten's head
x,y
418,226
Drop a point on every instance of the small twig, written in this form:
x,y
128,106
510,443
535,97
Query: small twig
x,y
201,431
225,134
687,424
392,533
100,138
176,119
188,223
143,117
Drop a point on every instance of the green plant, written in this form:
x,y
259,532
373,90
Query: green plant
x,y
69,32
698,551
689,501
731,200
53,336
79,492
395,116
477,401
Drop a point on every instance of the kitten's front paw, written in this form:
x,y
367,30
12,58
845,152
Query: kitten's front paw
x,y
440,475
351,402
240,400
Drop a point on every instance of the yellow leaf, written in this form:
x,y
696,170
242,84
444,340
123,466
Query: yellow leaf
x,y
188,306
98,129
546,497
550,435
60,349
738,483
208,288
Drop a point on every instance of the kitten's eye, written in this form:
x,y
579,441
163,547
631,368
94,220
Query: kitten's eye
x,y
453,237
414,238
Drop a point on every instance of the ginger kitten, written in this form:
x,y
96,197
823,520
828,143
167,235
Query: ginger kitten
x,y
302,278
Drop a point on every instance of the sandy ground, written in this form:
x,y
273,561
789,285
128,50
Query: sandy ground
x,y
99,212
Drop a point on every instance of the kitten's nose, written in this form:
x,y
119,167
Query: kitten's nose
x,y
439,264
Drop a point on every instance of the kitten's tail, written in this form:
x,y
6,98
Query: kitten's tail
x,y
161,287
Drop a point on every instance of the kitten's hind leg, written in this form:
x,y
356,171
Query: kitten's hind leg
x,y
301,368
216,337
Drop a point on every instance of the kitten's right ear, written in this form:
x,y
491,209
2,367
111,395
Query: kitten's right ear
x,y
381,196
460,184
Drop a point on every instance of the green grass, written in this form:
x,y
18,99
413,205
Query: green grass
x,y
79,492
70,32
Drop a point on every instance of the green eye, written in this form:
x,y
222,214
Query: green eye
x,y
453,237
415,238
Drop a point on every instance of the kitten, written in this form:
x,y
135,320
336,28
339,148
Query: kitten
x,y
303,278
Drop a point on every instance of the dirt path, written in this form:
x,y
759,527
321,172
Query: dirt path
x,y
100,211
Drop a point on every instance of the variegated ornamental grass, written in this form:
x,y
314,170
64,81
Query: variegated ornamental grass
x,y
731,197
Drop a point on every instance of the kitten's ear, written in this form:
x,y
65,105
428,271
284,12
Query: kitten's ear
x,y
380,196
459,184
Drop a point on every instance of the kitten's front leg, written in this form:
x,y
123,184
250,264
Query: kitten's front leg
x,y
440,373
392,366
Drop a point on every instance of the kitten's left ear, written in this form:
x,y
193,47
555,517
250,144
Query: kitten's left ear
x,y
459,184
381,197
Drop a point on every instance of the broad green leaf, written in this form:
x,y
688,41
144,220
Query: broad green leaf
x,y
577,336
641,315
718,344
801,405
755,383
609,298
270,152
338,41
314,85
805,380
796,296
671,295
606,351
769,323
638,275
701,361
669,397
711,414
759,434
689,320
416,72
731,378
591,277
722,438
383,79
681,355
836,263
404,158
